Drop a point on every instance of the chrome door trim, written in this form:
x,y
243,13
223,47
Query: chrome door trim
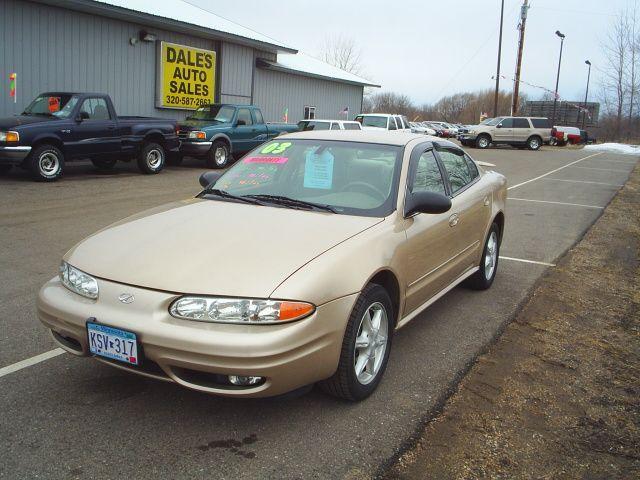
x,y
443,264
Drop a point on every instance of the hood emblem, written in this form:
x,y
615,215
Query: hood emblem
x,y
126,297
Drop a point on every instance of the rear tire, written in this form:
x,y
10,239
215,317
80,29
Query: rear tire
x,y
483,141
219,155
151,158
104,164
534,143
483,278
365,347
46,163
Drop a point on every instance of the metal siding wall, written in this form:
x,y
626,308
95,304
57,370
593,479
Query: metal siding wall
x,y
275,91
56,49
235,73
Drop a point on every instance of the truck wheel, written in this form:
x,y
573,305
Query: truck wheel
x,y
4,169
218,156
483,141
151,158
46,163
534,143
103,164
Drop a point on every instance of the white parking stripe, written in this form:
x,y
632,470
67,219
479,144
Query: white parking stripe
x,y
583,181
555,203
527,261
604,169
30,361
554,171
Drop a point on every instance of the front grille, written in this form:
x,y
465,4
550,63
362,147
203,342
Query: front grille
x,y
183,134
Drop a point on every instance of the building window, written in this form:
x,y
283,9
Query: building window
x,y
309,113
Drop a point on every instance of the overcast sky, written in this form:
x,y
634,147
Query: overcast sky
x,y
427,49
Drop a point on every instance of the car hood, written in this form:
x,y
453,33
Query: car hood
x,y
212,247
202,124
13,122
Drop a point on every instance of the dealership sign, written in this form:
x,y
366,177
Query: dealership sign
x,y
186,76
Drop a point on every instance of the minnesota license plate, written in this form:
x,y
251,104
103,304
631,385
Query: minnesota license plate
x,y
112,343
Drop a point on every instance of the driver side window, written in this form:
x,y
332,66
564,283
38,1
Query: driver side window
x,y
427,177
456,166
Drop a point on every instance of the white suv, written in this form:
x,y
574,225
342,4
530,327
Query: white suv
x,y
383,121
306,125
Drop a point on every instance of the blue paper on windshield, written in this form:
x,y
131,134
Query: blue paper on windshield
x,y
318,170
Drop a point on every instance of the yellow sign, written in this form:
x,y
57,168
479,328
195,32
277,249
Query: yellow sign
x,y
187,76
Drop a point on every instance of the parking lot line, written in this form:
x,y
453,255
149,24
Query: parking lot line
x,y
555,203
554,171
30,361
583,181
527,261
603,169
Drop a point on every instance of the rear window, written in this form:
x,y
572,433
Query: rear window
x,y
540,123
352,126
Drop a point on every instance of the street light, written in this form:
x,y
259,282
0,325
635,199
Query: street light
x,y
586,95
555,97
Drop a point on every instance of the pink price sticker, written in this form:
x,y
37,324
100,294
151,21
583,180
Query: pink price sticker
x,y
276,160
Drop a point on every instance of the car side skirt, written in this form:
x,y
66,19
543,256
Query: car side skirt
x,y
437,297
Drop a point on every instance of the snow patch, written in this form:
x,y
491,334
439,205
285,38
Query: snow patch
x,y
616,148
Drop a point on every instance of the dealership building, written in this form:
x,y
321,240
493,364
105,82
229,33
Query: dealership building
x,y
162,59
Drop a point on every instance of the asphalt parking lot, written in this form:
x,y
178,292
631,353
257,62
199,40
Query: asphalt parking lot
x,y
68,417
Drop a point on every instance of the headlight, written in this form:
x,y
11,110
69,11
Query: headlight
x,y
472,132
78,281
198,135
239,310
9,136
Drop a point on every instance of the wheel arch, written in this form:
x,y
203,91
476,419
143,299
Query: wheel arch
x,y
48,140
389,281
499,220
221,137
153,136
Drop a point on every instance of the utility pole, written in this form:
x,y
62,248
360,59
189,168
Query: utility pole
x,y
495,101
516,86
555,95
586,96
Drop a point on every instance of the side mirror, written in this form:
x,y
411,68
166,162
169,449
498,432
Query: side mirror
x,y
82,116
499,125
240,123
426,202
207,178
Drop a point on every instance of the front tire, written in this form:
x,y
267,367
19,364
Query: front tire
x,y
219,155
483,278
365,347
483,141
46,163
151,158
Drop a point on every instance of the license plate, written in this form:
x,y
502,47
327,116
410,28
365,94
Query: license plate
x,y
112,343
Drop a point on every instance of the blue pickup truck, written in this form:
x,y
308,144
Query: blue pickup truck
x,y
219,132
61,126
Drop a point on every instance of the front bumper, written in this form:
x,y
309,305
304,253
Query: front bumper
x,y
467,137
14,155
190,353
195,149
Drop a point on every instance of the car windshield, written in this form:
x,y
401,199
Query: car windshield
x,y
52,105
350,177
307,125
372,121
491,122
214,113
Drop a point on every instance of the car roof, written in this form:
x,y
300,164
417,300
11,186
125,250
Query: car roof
x,y
327,120
382,137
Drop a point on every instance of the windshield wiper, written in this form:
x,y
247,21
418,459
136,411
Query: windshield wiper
x,y
294,202
223,194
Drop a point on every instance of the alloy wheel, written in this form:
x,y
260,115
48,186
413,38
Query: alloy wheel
x,y
49,164
220,156
154,159
371,343
491,257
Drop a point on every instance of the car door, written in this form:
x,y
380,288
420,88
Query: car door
x,y
504,131
246,133
430,237
262,131
470,208
94,133
521,130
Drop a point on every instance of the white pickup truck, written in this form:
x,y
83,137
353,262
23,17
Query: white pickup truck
x,y
383,121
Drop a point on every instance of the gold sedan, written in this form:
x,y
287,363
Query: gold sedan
x,y
293,267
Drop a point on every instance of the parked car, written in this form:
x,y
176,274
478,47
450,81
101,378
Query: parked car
x,y
521,132
560,136
308,125
446,131
439,129
218,131
372,228
420,128
58,127
383,121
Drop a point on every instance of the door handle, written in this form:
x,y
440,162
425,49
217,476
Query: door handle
x,y
453,220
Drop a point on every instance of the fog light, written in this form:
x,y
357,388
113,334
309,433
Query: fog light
x,y
242,381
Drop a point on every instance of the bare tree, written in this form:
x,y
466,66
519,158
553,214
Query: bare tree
x,y
633,42
344,53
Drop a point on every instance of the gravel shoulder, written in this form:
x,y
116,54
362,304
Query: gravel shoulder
x,y
558,394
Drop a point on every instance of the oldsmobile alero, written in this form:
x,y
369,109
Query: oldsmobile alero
x,y
293,267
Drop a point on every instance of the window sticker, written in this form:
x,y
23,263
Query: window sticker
x,y
276,160
318,170
275,148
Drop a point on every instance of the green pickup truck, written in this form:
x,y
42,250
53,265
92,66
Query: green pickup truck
x,y
219,131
